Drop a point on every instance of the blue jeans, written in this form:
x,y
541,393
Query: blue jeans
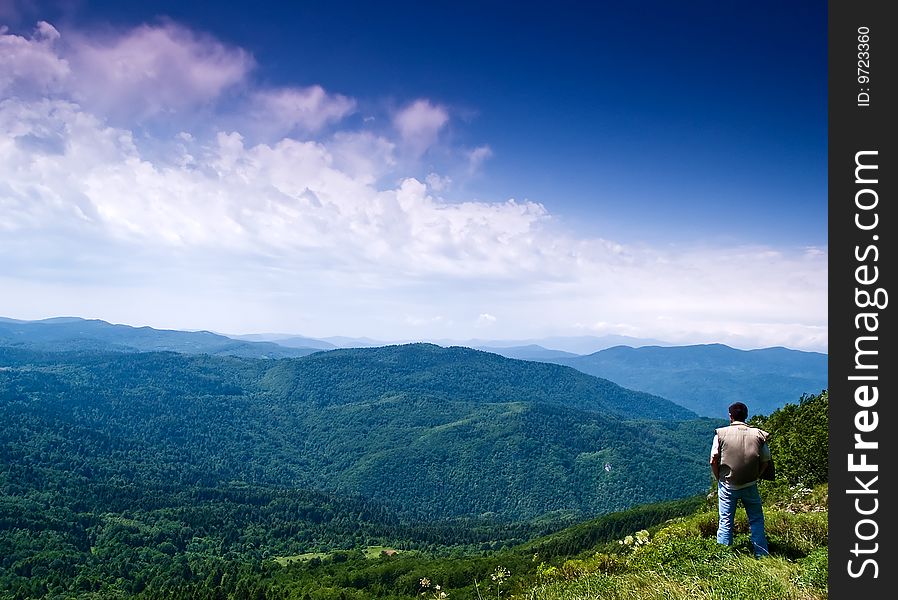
x,y
727,500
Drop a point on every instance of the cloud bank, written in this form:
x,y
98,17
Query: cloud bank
x,y
298,218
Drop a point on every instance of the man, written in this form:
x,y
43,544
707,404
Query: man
x,y
739,454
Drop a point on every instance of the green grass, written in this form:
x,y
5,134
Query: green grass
x,y
666,551
731,579
683,560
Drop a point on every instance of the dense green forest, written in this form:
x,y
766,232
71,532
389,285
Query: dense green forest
x,y
411,427
238,542
167,475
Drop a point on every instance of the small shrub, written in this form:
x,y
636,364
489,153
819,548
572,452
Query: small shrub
x,y
706,524
572,569
546,573
605,563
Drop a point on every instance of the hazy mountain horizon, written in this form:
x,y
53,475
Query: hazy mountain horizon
x,y
543,347
706,378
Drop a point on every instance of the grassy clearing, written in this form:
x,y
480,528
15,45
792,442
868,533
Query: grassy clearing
x,y
378,551
286,560
369,552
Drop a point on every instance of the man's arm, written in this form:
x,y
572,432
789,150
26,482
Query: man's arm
x,y
765,458
715,458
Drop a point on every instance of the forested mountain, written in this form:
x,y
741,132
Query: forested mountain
x,y
159,474
428,431
72,333
459,374
708,378
704,379
70,531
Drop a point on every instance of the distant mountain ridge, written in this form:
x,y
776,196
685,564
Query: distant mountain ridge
x,y
73,333
564,345
708,378
285,339
529,352
582,344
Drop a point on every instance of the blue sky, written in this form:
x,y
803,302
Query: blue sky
x,y
420,170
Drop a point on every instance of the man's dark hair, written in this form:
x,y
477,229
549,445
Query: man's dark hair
x,y
738,411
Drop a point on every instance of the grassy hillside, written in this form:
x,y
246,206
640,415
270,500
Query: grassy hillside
x,y
681,559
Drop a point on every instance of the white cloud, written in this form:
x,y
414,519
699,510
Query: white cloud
x,y
477,157
362,155
295,214
158,71
420,123
31,65
485,320
146,71
286,110
438,183
283,198
152,70
320,232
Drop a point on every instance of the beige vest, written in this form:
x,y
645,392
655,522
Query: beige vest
x,y
740,453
